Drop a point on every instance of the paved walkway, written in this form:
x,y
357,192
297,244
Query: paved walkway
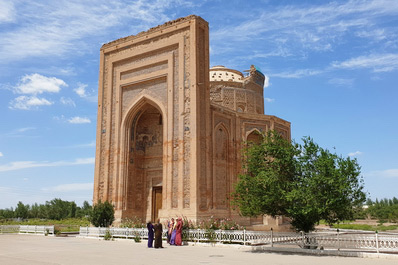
x,y
34,249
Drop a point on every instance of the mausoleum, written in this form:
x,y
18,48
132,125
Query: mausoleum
x,y
171,129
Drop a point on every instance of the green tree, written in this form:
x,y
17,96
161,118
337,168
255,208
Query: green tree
x,y
58,209
6,213
303,182
21,211
86,209
102,214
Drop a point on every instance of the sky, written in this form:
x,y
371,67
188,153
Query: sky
x,y
332,69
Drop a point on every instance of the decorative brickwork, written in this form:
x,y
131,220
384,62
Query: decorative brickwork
x,y
167,125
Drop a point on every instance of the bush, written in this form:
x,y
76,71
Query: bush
x,y
133,222
107,235
103,214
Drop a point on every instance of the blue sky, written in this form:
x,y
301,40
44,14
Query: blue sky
x,y
332,68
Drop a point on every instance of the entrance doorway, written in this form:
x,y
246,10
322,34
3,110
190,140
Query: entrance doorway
x,y
145,167
156,202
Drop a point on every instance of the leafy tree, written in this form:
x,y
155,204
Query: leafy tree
x,y
303,182
6,213
72,210
86,209
384,210
58,209
21,211
102,214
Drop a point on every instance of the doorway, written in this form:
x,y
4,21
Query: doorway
x,y
156,202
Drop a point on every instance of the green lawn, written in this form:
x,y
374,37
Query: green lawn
x,y
65,225
366,227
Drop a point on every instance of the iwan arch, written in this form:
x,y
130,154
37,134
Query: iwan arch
x,y
170,129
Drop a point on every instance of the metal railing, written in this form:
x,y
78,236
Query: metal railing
x,y
27,229
6,229
335,240
36,229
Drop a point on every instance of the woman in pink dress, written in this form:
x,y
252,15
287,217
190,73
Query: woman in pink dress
x,y
178,240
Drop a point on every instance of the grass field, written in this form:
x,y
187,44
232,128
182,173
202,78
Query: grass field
x,y
65,225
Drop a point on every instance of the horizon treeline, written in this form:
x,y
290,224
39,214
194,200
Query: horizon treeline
x,y
55,209
385,210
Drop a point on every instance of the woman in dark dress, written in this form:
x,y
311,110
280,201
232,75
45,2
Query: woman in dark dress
x,y
149,225
158,234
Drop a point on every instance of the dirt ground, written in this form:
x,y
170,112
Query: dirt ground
x,y
34,249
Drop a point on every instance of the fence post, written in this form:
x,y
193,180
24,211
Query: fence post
x,y
1,231
302,238
35,229
244,237
377,242
338,239
272,237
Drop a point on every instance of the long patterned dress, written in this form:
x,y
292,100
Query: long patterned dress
x,y
173,235
158,235
150,234
179,232
170,226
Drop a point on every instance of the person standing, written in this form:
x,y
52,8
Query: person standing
x,y
149,225
158,234
170,225
179,232
173,233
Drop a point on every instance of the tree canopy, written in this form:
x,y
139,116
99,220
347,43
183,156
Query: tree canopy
x,y
303,182
102,214
56,209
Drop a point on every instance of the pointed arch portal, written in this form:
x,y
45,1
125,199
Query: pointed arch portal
x,y
145,163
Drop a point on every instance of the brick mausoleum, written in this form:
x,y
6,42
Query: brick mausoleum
x,y
170,129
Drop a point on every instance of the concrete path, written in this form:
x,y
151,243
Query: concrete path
x,y
34,249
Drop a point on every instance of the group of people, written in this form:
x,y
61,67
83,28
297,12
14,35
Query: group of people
x,y
174,233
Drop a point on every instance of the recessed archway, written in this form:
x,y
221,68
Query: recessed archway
x,y
145,163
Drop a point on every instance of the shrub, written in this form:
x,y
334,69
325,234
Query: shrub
x,y
107,235
137,237
103,214
133,222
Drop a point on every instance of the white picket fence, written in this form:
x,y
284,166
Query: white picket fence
x,y
335,240
28,229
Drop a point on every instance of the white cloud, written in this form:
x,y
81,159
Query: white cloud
x,y
266,81
356,153
346,82
19,132
17,165
81,90
388,173
27,103
297,73
299,29
269,100
377,62
70,187
377,34
1,154
92,144
79,120
54,28
7,11
37,84
67,102
24,129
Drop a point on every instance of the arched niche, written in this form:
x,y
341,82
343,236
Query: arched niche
x,y
143,155
254,137
221,159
